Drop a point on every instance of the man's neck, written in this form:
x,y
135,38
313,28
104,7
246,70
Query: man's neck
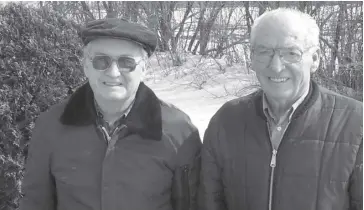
x,y
277,107
112,110
280,107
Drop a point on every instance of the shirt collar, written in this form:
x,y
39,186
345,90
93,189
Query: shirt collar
x,y
122,116
268,113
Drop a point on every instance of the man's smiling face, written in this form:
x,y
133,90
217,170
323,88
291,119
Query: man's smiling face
x,y
279,79
114,83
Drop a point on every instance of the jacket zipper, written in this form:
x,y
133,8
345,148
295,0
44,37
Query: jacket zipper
x,y
106,134
273,163
185,186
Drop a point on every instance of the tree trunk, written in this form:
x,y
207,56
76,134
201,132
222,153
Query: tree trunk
x,y
223,40
174,41
193,38
360,43
98,9
262,7
188,34
166,10
110,9
200,22
249,18
86,11
195,48
335,53
205,28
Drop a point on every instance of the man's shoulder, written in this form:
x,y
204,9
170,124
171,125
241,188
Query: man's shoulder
x,y
173,116
55,111
176,123
242,104
337,101
48,122
173,113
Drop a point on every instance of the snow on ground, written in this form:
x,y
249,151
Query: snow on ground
x,y
199,87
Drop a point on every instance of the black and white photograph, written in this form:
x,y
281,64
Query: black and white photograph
x,y
181,105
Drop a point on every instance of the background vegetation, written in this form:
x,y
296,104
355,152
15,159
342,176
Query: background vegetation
x,y
40,54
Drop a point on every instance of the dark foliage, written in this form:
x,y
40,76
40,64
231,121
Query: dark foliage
x,y
39,65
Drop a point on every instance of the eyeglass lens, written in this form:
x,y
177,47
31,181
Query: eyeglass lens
x,y
289,55
103,62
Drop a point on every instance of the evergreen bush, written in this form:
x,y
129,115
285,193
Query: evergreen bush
x,y
39,65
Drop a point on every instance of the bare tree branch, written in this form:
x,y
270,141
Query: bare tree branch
x,y
326,19
86,10
241,41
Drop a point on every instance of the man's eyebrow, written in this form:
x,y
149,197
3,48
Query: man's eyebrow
x,y
283,47
126,55
292,45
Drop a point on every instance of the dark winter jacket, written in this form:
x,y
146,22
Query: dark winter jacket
x,y
318,165
154,163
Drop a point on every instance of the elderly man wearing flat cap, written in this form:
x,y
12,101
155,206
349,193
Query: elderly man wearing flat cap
x,y
113,145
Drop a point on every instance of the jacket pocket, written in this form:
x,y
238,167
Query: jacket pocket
x,y
185,187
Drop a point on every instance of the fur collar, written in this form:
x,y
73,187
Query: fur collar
x,y
145,116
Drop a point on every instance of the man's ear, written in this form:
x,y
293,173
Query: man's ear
x,y
315,60
83,60
250,67
142,75
84,67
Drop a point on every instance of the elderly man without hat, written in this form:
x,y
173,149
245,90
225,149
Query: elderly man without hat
x,y
292,145
113,145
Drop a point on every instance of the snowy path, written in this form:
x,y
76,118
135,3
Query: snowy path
x,y
198,104
180,85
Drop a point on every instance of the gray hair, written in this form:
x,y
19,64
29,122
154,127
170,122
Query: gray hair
x,y
309,27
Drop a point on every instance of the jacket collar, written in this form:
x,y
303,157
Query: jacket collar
x,y
306,103
145,116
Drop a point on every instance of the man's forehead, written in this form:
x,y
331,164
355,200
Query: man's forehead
x,y
283,41
280,37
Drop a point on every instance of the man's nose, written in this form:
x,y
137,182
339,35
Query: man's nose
x,y
276,63
113,70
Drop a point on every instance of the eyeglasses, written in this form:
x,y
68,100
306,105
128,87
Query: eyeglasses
x,y
287,55
103,62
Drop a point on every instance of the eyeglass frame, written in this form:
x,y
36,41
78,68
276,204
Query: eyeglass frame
x,y
115,59
281,57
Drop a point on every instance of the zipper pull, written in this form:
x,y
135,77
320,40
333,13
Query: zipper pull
x,y
273,160
105,133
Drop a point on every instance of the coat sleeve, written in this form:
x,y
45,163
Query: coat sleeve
x,y
211,195
356,182
187,173
38,184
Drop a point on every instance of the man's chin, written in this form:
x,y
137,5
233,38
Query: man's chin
x,y
280,94
115,97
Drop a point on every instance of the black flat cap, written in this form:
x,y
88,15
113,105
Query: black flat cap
x,y
119,29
